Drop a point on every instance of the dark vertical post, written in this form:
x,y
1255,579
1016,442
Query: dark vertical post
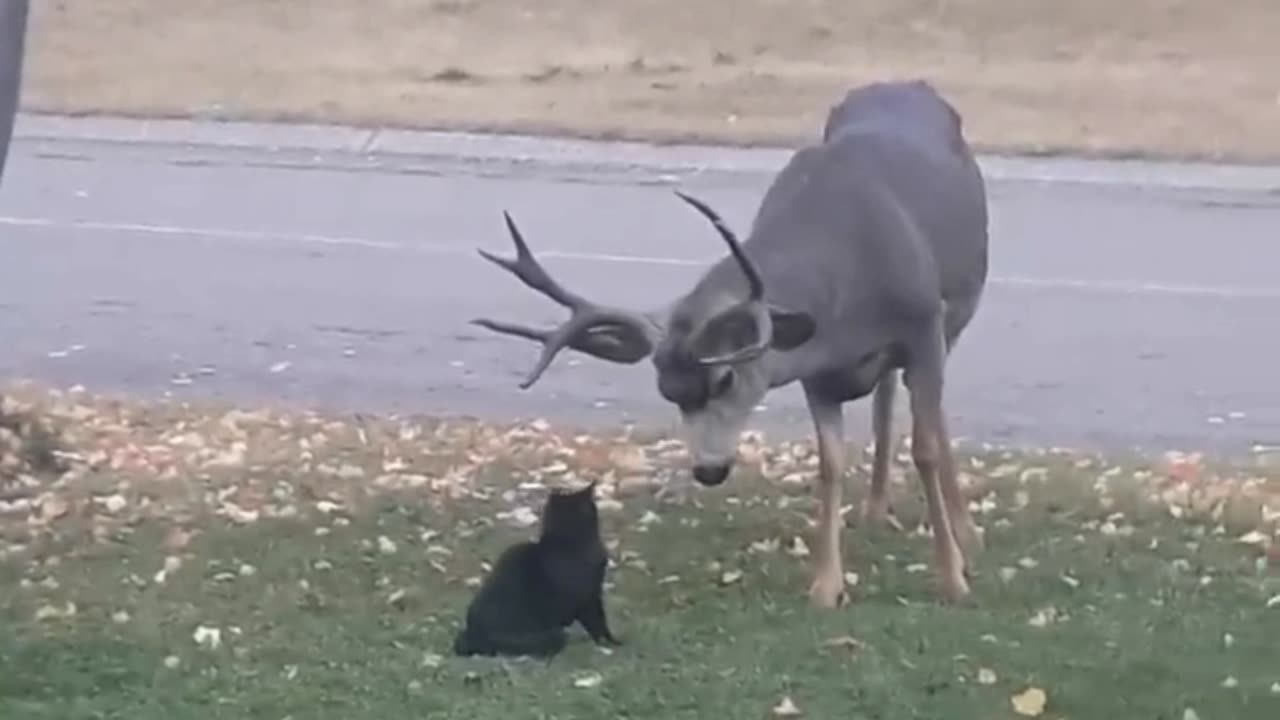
x,y
13,33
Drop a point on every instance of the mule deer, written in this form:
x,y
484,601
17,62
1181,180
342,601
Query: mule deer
x,y
868,255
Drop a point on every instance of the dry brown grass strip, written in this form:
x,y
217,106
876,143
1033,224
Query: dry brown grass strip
x,y
1175,77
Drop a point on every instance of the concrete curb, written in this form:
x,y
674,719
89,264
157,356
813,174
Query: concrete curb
x,y
549,151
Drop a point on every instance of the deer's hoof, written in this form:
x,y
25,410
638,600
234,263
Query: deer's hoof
x,y
955,589
879,516
969,537
828,594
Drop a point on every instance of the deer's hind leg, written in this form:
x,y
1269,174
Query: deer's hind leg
x,y
876,509
931,451
967,533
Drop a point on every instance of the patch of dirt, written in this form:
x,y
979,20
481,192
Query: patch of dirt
x,y
1173,77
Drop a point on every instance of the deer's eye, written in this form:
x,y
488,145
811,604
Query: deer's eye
x,y
723,384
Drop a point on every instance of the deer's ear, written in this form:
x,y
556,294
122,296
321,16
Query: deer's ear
x,y
726,333
790,329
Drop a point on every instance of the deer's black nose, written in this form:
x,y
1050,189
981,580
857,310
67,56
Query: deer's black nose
x,y
710,474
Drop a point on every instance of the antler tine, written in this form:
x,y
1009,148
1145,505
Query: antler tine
x,y
754,283
506,328
748,268
552,342
576,332
526,267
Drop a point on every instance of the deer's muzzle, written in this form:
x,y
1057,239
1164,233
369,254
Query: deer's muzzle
x,y
711,475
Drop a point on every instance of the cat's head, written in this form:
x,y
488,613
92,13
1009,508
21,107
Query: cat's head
x,y
568,511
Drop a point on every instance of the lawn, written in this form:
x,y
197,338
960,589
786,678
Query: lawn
x,y
1168,77
166,560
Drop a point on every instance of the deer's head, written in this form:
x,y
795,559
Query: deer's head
x,y
709,348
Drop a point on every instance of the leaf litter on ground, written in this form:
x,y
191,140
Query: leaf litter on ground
x,y
72,458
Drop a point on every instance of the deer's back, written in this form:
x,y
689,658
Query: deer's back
x,y
881,219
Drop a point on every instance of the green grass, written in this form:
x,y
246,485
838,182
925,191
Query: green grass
x,y
1140,633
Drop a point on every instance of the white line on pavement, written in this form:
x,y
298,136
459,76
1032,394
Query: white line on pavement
x,y
1036,283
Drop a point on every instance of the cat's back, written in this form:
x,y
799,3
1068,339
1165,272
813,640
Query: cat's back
x,y
510,573
573,569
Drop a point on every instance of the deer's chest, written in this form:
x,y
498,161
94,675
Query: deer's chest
x,y
855,381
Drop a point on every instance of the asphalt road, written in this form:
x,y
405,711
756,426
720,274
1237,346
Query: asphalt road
x,y
1117,314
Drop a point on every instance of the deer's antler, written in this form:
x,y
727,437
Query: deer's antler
x,y
613,334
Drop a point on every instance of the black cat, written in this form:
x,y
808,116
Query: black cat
x,y
537,589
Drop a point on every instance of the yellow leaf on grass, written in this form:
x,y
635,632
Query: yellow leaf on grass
x,y
1029,702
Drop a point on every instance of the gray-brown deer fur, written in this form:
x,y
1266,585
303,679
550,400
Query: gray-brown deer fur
x,y
868,255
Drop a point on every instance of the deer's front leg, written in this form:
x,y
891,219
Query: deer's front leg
x,y
827,588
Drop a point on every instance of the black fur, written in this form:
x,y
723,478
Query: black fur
x,y
537,589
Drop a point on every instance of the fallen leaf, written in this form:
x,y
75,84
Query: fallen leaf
x,y
432,660
1230,682
765,546
1043,617
207,637
350,472
1030,702
844,641
386,545
50,612
786,708
53,507
171,662
798,548
240,515
1254,537
986,676
589,680
522,516
114,503
730,577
